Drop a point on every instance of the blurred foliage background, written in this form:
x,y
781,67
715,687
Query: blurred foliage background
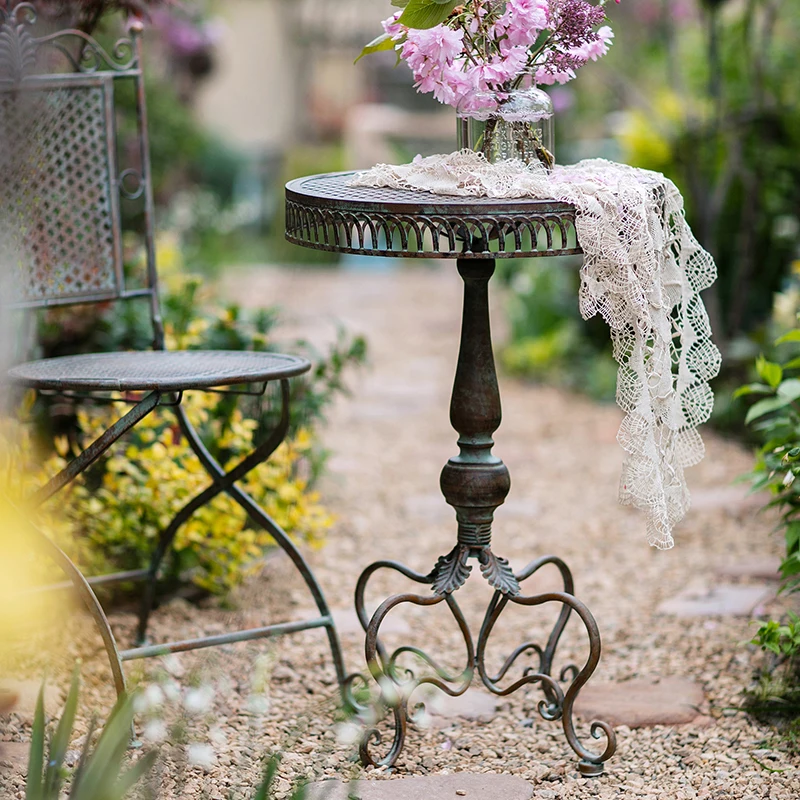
x,y
246,94
705,92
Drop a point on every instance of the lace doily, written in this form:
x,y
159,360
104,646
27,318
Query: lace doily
x,y
643,272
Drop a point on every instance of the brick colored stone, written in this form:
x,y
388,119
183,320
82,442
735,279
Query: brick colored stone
x,y
642,703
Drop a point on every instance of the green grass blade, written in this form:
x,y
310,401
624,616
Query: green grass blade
x,y
269,776
76,778
133,776
105,763
59,742
33,785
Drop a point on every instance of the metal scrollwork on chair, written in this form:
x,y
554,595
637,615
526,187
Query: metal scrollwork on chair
x,y
19,48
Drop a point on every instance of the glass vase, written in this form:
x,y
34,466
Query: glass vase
x,y
517,124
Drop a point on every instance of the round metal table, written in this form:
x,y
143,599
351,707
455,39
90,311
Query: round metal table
x,y
324,212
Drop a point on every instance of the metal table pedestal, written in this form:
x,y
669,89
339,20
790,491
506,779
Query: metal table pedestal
x,y
324,212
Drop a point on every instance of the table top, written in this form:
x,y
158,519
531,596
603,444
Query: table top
x,y
325,213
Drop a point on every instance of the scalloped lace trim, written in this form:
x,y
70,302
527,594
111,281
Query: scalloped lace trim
x,y
643,272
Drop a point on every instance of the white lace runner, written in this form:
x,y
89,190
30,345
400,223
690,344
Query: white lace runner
x,y
643,271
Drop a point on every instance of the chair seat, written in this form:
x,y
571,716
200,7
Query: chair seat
x,y
157,370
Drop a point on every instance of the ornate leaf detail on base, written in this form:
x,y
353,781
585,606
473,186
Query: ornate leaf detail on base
x,y
499,574
451,571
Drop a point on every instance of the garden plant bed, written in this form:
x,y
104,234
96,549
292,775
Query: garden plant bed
x,y
389,441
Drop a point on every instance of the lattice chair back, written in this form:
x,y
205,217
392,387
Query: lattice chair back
x,y
65,174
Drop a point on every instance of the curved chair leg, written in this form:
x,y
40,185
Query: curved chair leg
x,y
226,482
167,536
92,605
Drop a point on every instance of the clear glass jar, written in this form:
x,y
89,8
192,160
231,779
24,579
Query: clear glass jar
x,y
507,125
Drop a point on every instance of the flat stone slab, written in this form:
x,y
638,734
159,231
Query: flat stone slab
x,y
27,693
764,569
731,498
485,786
473,704
347,622
719,601
8,699
642,703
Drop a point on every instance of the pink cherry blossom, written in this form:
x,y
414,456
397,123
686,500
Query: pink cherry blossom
x,y
393,27
599,47
498,45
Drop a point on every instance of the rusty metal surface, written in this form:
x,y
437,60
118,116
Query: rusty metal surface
x,y
162,370
62,185
475,482
64,176
325,213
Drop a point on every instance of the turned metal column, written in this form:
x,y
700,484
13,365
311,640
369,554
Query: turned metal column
x,y
327,212
475,482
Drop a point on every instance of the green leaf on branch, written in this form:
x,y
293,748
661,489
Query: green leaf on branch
x,y
792,336
769,372
422,14
763,407
788,392
752,388
382,42
790,389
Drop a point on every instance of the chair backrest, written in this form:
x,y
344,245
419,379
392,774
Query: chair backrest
x,y
65,173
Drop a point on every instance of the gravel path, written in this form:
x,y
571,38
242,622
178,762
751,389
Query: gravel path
x,y
390,440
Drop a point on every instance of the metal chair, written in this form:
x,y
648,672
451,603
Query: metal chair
x,y
63,175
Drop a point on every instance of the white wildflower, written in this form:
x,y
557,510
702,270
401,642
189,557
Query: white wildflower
x,y
198,701
155,731
150,699
201,755
347,733
389,692
421,718
172,690
173,665
257,704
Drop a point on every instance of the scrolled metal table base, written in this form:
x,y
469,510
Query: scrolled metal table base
x,y
475,483
398,684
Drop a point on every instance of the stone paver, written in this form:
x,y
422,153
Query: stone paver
x,y
486,786
8,699
642,703
27,692
473,704
719,601
764,569
734,499
347,621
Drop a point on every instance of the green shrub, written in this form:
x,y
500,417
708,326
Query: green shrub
x,y
111,517
775,420
549,341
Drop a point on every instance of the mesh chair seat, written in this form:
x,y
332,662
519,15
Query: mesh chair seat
x,y
157,370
